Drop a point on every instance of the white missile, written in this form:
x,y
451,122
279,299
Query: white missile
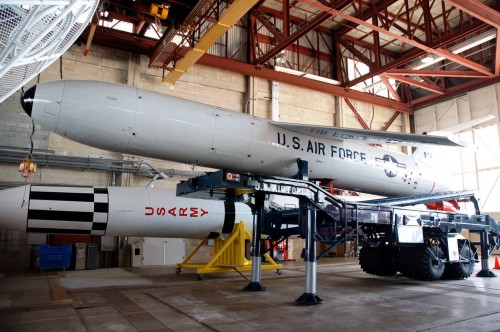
x,y
129,120
117,211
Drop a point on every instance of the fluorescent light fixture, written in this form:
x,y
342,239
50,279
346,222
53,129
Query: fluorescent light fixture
x,y
428,59
322,79
474,41
426,63
357,88
289,71
305,75
466,45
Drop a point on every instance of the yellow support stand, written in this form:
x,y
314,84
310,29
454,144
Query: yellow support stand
x,y
229,256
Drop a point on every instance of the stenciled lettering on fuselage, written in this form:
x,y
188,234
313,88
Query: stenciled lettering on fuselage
x,y
391,165
328,133
192,212
319,148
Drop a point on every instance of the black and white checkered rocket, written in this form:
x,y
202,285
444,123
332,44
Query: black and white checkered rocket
x,y
78,210
117,211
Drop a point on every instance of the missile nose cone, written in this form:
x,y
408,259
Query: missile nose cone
x,y
27,99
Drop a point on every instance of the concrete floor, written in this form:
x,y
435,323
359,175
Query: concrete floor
x,y
157,299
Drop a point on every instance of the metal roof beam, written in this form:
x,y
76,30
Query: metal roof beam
x,y
230,16
366,15
365,44
311,25
292,19
269,26
497,54
437,51
356,53
391,121
290,39
272,75
454,91
302,50
415,53
479,10
419,84
389,87
435,73
358,116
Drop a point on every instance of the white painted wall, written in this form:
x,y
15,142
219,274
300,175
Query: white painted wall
x,y
470,170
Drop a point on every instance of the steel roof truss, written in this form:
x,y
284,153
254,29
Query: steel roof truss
x,y
478,10
437,51
419,84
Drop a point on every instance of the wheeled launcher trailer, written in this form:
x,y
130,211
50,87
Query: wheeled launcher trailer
x,y
394,235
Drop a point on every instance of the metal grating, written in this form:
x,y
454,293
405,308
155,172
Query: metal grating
x,y
33,34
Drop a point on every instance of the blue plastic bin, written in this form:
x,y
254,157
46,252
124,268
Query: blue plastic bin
x,y
50,257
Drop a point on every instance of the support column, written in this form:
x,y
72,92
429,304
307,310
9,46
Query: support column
x,y
255,284
133,73
309,297
275,105
302,170
406,128
251,95
485,257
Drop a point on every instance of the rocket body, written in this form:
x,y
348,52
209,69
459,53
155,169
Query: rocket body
x,y
129,120
117,211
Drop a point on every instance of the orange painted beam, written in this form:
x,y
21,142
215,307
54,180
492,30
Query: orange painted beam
x,y
435,73
437,51
272,75
479,10
419,84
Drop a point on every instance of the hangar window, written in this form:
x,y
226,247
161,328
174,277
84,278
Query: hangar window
x,y
117,25
153,31
373,85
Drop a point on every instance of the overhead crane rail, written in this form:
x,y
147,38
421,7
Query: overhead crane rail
x,y
394,234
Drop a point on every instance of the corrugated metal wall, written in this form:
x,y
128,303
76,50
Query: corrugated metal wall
x,y
301,62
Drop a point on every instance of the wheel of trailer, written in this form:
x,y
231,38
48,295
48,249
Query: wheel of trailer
x,y
463,270
432,263
406,261
377,261
421,263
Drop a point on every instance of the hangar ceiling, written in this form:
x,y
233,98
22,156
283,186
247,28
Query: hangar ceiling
x,y
400,54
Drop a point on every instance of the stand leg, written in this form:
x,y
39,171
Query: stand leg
x,y
309,297
255,284
485,257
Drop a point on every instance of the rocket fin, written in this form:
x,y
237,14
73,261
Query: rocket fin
x,y
425,153
462,126
369,136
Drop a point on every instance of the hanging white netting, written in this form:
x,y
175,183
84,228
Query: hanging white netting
x,y
33,34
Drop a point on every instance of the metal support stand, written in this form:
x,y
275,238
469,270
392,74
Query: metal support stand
x,y
255,284
224,185
309,297
485,257
303,170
